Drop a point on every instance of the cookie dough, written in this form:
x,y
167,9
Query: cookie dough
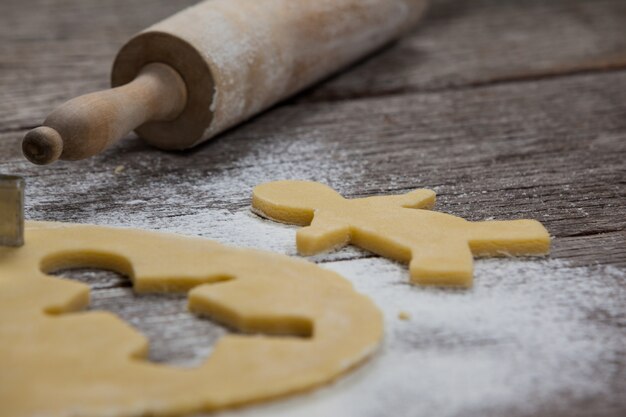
x,y
56,360
440,247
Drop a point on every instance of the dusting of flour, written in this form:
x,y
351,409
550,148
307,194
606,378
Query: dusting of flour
x,y
530,334
526,337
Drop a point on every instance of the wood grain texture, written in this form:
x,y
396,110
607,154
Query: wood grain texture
x,y
460,43
476,42
508,109
556,148
52,51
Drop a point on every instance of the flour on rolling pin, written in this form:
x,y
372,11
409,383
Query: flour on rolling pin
x,y
213,65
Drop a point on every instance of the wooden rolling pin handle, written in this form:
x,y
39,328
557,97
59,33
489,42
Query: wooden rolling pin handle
x,y
86,125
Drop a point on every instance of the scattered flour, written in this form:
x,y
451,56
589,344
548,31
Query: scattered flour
x,y
527,336
531,334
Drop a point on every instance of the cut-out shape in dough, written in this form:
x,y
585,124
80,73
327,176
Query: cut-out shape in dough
x,y
91,363
440,247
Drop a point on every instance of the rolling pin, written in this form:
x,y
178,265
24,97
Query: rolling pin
x,y
199,72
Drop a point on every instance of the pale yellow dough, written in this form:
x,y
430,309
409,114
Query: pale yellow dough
x,y
57,361
439,247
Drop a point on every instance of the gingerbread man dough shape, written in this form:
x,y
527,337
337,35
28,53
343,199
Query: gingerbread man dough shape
x,y
439,247
57,361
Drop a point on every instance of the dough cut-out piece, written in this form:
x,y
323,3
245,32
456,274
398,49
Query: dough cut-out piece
x,y
440,247
58,361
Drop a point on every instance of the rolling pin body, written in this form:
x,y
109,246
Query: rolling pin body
x,y
239,57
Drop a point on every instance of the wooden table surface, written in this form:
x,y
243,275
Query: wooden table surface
x,y
508,109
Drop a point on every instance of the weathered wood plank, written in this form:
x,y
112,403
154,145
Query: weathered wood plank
x,y
550,150
599,249
477,42
460,43
51,51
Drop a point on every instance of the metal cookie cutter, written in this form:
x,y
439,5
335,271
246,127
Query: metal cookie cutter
x,y
11,210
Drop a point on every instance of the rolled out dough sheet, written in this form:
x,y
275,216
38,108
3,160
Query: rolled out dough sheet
x,y
59,361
